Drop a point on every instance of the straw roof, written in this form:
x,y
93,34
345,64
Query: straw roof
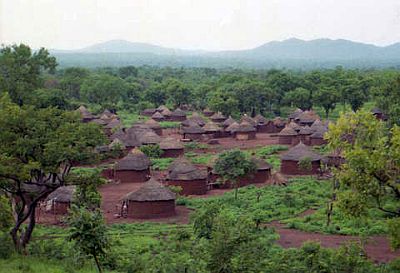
x,y
136,160
149,137
245,126
63,194
207,111
99,121
107,113
307,117
259,119
278,122
248,119
178,113
233,127
157,115
316,123
306,130
149,111
182,169
166,112
194,129
295,114
114,123
153,124
376,111
211,127
287,131
117,142
170,143
85,112
217,115
228,122
319,133
152,190
261,164
299,152
294,126
197,119
161,108
189,123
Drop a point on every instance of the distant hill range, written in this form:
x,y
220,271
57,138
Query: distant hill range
x,y
291,53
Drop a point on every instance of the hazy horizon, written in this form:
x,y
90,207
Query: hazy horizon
x,y
206,25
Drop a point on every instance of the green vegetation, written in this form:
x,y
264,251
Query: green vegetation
x,y
169,124
153,151
161,164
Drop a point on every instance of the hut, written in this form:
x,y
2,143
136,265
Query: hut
x,y
171,147
135,167
161,108
197,119
99,121
194,132
279,124
208,113
59,201
261,124
317,138
262,174
189,123
286,136
166,113
246,118
295,114
148,112
152,200
378,114
218,117
112,126
184,174
149,138
292,158
246,131
212,129
294,126
303,135
86,116
231,129
228,122
178,115
155,126
316,124
306,118
116,144
157,116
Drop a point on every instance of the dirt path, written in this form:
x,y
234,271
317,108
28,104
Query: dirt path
x,y
377,248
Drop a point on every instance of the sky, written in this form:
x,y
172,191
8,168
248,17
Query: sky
x,y
196,24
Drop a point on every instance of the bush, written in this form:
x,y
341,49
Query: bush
x,y
6,246
153,151
305,164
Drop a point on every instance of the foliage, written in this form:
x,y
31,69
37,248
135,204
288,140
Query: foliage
x,y
86,194
299,97
394,232
6,217
161,164
305,164
152,151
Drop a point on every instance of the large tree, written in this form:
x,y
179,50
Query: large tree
x,y
38,148
300,97
20,70
327,99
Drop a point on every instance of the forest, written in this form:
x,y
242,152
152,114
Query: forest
x,y
46,146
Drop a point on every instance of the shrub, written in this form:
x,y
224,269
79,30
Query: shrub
x,y
153,151
305,164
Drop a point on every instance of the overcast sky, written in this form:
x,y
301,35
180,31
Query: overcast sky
x,y
196,24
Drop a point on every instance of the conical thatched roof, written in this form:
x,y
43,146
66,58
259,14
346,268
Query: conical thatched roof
x,y
148,111
162,108
245,126
217,116
152,190
85,112
107,113
319,133
178,113
228,121
233,127
306,130
246,118
211,127
376,111
259,119
170,143
287,131
63,194
317,123
278,122
114,123
157,115
194,129
261,164
294,126
189,123
208,111
182,169
295,114
197,119
153,124
136,160
149,137
117,143
166,112
98,121
307,117
299,152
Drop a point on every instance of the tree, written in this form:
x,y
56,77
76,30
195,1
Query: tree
x,y
72,79
223,102
178,92
20,71
370,175
300,97
232,166
38,148
127,71
327,99
44,98
388,99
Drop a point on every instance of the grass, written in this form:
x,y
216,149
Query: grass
x,y
169,124
128,117
194,145
161,164
202,159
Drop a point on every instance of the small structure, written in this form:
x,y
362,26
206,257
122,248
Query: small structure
x,y
212,129
195,117
286,136
178,115
306,118
246,131
246,118
317,138
86,116
218,117
166,113
279,124
231,129
379,114
228,122
148,112
112,126
194,132
133,168
171,147
303,135
59,201
261,124
152,200
291,161
294,126
149,138
157,116
262,174
154,125
208,113
295,114
161,108
184,174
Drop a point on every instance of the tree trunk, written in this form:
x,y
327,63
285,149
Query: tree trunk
x,y
236,190
96,259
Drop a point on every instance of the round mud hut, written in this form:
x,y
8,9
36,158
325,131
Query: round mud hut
x,y
208,113
157,116
212,129
246,131
218,117
194,132
133,168
148,112
317,138
59,201
291,161
184,174
261,175
171,147
286,136
154,125
279,124
152,200
86,116
261,123
149,138
303,135
178,115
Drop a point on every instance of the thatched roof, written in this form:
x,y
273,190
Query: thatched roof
x,y
170,143
287,131
195,117
149,137
233,127
307,117
161,108
208,111
114,123
246,118
99,121
295,114
63,194
261,164
157,115
245,126
166,112
299,152
194,129
294,125
182,169
211,127
278,122
136,160
259,119
317,123
306,130
153,124
217,116
228,122
107,113
85,112
319,133
189,123
148,111
376,111
178,113
117,143
152,190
